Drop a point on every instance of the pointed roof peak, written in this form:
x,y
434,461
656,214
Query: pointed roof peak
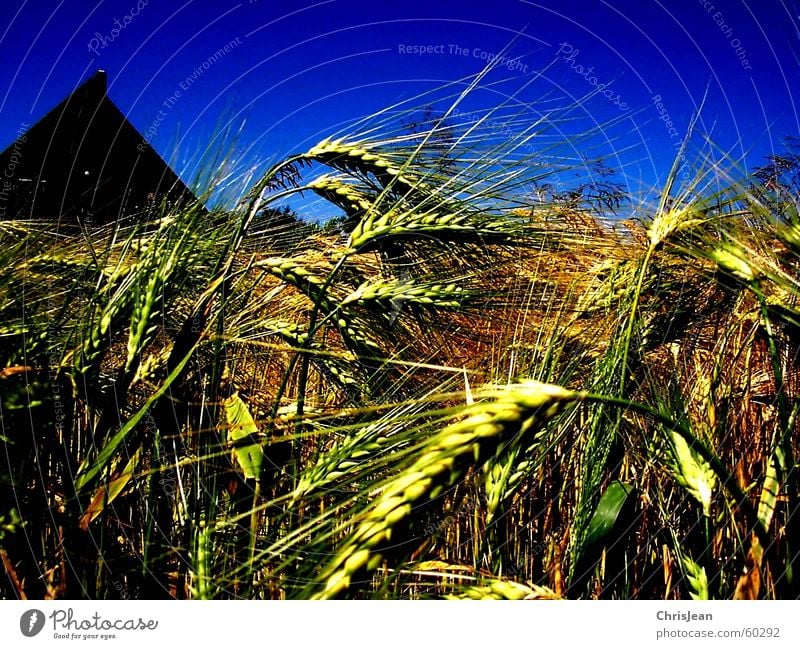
x,y
97,84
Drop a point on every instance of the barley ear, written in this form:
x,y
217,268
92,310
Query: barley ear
x,y
509,415
505,589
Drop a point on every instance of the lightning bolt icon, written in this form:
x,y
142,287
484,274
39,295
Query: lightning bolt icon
x,y
32,620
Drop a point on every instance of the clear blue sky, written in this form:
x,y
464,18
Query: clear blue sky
x,y
300,70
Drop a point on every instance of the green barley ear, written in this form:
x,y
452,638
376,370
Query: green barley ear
x,y
345,195
501,479
201,558
729,260
510,415
442,295
692,472
352,450
437,221
307,276
696,578
361,159
505,589
670,222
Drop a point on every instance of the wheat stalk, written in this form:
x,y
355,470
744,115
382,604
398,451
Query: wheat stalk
x,y
517,410
360,158
729,260
690,471
669,222
505,589
398,290
309,279
403,222
352,451
696,578
342,194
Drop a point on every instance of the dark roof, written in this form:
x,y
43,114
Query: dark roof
x,y
85,159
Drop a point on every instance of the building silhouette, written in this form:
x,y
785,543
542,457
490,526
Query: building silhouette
x,y
84,161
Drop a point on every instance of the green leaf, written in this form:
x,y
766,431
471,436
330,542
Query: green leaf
x,y
603,531
105,494
606,515
769,494
241,425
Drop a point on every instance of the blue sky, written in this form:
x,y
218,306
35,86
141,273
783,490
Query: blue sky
x,y
298,71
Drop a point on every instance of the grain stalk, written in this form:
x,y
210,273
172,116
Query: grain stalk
x,y
514,413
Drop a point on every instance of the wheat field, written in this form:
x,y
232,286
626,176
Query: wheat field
x,y
453,390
